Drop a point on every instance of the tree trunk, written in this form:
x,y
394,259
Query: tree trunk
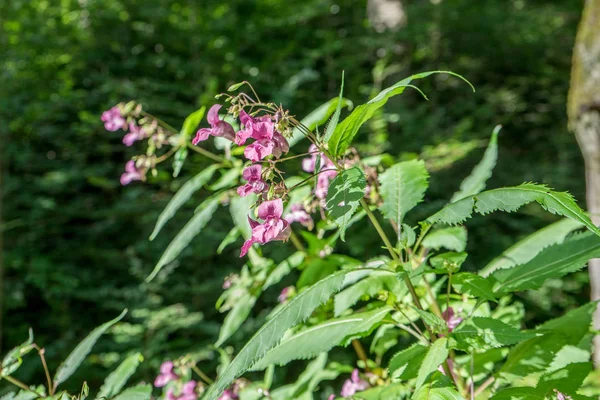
x,y
584,118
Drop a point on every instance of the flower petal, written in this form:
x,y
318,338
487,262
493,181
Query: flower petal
x,y
213,115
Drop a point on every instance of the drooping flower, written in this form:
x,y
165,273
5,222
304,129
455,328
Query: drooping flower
x,y
135,133
131,173
188,391
166,374
267,139
298,214
452,320
228,395
353,385
171,395
113,120
331,397
285,294
323,180
280,145
326,170
273,227
252,174
218,127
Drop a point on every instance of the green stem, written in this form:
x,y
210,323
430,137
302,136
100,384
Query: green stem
x,y
20,384
202,375
207,153
296,241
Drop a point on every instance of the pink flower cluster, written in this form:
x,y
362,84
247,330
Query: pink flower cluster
x,y
114,120
188,389
272,228
353,385
452,320
267,140
326,170
299,214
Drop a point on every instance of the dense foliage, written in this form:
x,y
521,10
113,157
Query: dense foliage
x,y
75,241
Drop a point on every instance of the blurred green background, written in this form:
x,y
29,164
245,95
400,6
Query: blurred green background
x,y
76,247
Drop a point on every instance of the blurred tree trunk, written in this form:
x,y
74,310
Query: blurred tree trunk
x,y
386,14
584,118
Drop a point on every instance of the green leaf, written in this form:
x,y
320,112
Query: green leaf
x,y
566,380
118,378
318,117
307,382
440,388
284,268
320,338
344,195
553,262
185,236
474,285
236,86
481,332
370,286
436,355
518,393
526,249
393,391
451,238
182,195
336,115
13,359
228,179
402,187
139,392
510,199
293,312
240,209
569,354
191,122
178,160
448,262
405,364
230,238
437,324
348,128
74,360
236,317
475,183
536,354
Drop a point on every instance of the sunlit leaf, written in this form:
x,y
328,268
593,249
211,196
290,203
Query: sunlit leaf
x,y
344,195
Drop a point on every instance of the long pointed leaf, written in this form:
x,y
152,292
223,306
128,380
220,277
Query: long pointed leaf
x,y
118,378
336,115
74,360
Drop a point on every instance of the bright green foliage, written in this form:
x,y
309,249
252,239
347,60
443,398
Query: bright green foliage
x,y
284,268
405,364
307,382
475,183
318,117
348,128
343,196
13,358
436,355
376,282
189,231
239,209
74,360
511,199
474,285
402,188
236,317
118,378
480,332
438,388
182,195
139,392
437,324
553,262
320,338
452,238
273,330
526,249
191,122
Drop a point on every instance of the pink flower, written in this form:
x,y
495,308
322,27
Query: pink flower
x,y
331,397
323,180
353,385
217,128
188,391
166,374
228,395
131,173
267,139
452,320
327,170
113,120
171,395
298,214
285,294
273,227
135,133
252,174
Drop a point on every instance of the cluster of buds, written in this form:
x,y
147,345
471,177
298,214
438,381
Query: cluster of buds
x,y
233,392
138,125
353,385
